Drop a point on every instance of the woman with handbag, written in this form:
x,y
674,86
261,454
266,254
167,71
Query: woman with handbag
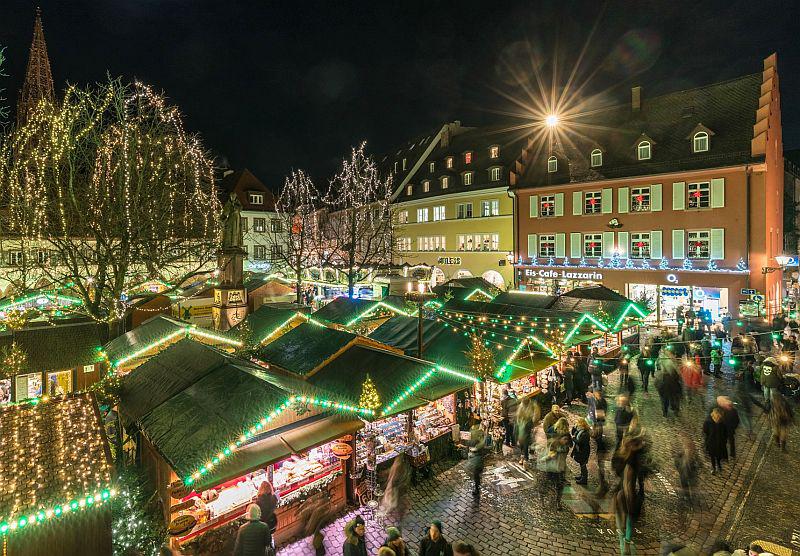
x,y
554,462
581,451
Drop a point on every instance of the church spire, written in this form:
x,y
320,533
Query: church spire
x,y
38,84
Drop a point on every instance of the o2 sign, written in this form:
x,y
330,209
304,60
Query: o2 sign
x,y
672,278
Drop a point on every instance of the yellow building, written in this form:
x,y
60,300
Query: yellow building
x,y
452,207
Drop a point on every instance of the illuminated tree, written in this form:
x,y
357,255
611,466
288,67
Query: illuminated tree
x,y
3,99
369,395
103,191
13,361
481,361
358,229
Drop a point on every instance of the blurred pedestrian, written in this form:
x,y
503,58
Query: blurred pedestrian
x,y
267,500
475,458
554,462
646,370
668,383
395,541
771,378
781,417
528,414
596,370
623,414
716,362
551,418
623,366
354,537
730,416
396,500
433,543
461,548
627,506
581,449
253,538
385,551
568,380
596,415
716,438
687,463
508,413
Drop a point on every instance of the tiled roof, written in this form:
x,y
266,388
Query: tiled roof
x,y
62,346
727,109
51,453
242,181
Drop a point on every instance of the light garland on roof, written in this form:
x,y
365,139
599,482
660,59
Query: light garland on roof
x,y
375,308
189,330
712,266
479,291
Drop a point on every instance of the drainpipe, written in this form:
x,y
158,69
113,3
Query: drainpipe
x,y
514,236
748,173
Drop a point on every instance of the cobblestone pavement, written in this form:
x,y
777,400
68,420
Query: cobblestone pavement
x,y
515,516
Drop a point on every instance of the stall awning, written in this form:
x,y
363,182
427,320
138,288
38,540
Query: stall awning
x,y
522,367
280,445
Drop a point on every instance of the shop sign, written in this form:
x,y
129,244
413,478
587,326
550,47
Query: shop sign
x,y
563,274
341,450
182,524
674,291
749,292
236,296
178,490
448,260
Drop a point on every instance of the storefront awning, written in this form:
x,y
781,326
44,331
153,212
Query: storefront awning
x,y
522,367
296,439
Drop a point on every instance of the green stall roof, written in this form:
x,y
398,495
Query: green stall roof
x,y
151,330
304,348
264,321
345,310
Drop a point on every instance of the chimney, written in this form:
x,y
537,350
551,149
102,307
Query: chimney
x,y
636,98
449,131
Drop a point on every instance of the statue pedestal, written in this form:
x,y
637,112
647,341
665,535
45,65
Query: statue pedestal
x,y
230,262
230,297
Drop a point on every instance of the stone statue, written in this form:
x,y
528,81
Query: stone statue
x,y
232,223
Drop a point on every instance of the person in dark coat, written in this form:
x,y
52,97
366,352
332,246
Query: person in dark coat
x,y
623,365
668,384
354,543
508,412
581,435
622,416
568,378
433,543
781,417
731,419
253,538
716,439
596,370
268,502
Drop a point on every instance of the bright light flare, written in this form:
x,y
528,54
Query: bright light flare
x,y
551,120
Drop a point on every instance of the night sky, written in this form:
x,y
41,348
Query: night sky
x,y
278,85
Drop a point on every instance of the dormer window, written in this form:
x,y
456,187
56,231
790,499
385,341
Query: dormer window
x,y
467,178
494,151
409,190
552,165
395,167
700,142
494,174
404,164
596,158
445,182
468,157
426,186
448,162
255,198
643,151
432,167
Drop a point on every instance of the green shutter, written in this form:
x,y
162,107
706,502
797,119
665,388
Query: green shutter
x,y
575,245
717,244
623,199
678,243
577,203
622,244
655,244
607,201
559,204
679,195
533,246
655,197
717,193
608,244
560,247
534,206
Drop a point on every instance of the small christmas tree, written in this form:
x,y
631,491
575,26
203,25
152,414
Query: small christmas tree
x,y
481,359
629,263
645,264
369,395
664,264
615,262
600,263
602,315
741,265
582,262
13,361
712,265
687,264
245,335
551,261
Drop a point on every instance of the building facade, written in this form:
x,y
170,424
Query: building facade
x,y
674,201
453,210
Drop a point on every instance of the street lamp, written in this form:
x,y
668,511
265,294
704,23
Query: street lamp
x,y
551,120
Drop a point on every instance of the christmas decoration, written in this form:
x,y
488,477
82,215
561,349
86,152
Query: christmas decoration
x,y
687,264
480,357
712,265
629,263
13,361
551,261
664,264
615,260
741,265
369,398
136,527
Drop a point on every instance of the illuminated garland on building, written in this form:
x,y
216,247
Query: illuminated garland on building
x,y
189,330
741,265
375,308
11,524
480,291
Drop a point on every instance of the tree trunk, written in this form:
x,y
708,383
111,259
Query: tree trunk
x,y
116,328
350,285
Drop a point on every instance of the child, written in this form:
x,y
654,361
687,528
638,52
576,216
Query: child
x,y
716,362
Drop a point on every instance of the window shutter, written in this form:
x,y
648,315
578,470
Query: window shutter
x,y
679,195
577,203
655,244
533,246
655,197
623,199
678,242
606,201
608,244
534,206
575,245
717,193
561,249
717,244
559,204
622,244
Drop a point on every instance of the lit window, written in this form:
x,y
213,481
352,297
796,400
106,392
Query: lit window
x,y
243,224
256,198
547,245
596,158
259,224
592,202
404,164
275,226
404,244
448,162
494,152
445,182
275,252
464,210
643,150
552,164
547,205
640,199
699,195
432,167
41,256
467,178
490,208
402,217
478,242
468,157
699,245
409,190
430,243
426,186
640,245
259,252
422,215
592,245
438,213
700,142
494,174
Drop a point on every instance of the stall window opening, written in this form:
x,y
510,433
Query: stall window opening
x,y
699,195
592,245
592,202
547,205
547,245
699,244
640,245
640,199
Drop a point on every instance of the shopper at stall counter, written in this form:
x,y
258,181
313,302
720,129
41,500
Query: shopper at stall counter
x,y
354,543
254,537
267,501
433,543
